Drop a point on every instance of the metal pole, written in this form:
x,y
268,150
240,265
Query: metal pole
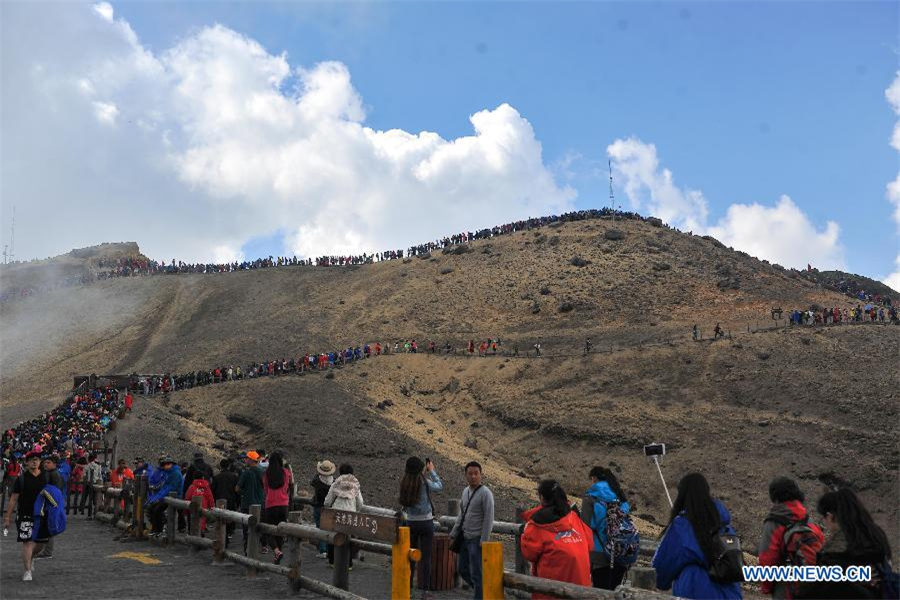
x,y
665,487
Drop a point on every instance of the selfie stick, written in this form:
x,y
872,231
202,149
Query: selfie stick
x,y
665,487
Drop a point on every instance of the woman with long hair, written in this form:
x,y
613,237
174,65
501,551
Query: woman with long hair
x,y
279,488
555,540
604,493
687,549
419,481
853,540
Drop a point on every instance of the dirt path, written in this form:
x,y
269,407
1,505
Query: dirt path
x,y
89,563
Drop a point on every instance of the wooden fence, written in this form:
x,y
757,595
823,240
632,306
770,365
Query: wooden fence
x,y
124,508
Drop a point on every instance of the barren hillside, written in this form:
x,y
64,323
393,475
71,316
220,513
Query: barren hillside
x,y
821,405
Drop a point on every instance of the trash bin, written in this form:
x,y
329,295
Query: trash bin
x,y
443,564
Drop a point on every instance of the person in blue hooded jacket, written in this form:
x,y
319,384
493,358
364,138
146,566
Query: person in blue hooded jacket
x,y
682,560
604,490
169,475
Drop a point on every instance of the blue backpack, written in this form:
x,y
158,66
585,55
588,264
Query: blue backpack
x,y
50,505
623,543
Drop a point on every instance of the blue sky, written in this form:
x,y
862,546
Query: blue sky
x,y
745,102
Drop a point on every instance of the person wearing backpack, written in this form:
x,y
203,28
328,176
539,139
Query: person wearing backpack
x,y
555,540
788,538
853,540
24,495
52,477
419,481
691,549
201,488
615,541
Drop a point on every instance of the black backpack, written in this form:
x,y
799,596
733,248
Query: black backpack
x,y
727,566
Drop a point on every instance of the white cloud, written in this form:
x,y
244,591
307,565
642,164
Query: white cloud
x,y
222,132
782,233
892,94
105,10
653,190
893,280
106,112
892,190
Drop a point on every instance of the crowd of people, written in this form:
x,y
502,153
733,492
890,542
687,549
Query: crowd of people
x,y
593,544
870,313
321,361
107,268
847,286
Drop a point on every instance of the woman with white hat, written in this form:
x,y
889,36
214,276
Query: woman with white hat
x,y
321,483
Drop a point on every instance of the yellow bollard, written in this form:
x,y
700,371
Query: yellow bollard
x,y
401,570
492,570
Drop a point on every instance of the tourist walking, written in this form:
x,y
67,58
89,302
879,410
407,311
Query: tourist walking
x,y
853,540
788,538
475,525
688,546
250,489
419,481
555,540
321,483
344,494
24,494
605,509
279,489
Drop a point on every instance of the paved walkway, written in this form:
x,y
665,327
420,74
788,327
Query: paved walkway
x,y
89,563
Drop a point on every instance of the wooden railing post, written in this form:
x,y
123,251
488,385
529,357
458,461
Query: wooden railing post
x,y
195,521
293,554
171,521
341,578
521,563
453,511
253,537
492,570
99,498
219,547
116,510
642,578
140,492
401,570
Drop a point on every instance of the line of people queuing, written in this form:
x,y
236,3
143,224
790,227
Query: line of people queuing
x,y
870,313
849,287
593,545
139,266
169,382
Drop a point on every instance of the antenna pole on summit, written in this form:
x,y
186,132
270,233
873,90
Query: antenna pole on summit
x,y
12,241
612,202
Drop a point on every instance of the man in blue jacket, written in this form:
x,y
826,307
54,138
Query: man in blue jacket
x,y
172,481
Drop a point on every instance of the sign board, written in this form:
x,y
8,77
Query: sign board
x,y
364,526
776,314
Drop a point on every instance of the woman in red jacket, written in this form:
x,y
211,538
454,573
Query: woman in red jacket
x,y
202,488
555,540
